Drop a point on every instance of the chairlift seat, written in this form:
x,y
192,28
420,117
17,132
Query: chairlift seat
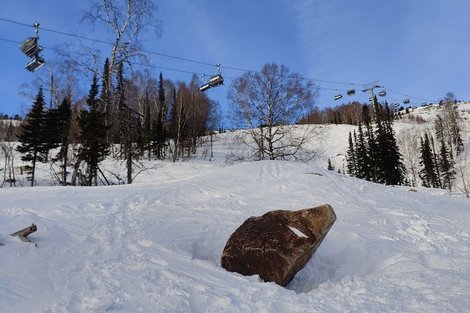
x,y
30,47
382,93
351,92
337,97
35,63
406,101
216,80
204,87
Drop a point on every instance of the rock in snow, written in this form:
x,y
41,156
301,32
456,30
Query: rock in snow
x,y
278,244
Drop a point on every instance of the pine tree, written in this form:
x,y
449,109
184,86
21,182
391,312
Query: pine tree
x,y
94,148
381,153
160,132
366,120
147,127
428,173
51,130
351,157
437,182
122,115
64,112
32,139
364,169
368,147
393,169
446,167
330,167
372,154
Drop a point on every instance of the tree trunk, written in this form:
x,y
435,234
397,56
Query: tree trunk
x,y
34,168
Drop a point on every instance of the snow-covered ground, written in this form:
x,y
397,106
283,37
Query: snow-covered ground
x,y
156,246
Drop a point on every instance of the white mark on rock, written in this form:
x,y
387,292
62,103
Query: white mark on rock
x,y
297,232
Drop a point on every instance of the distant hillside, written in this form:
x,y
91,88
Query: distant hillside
x,y
330,142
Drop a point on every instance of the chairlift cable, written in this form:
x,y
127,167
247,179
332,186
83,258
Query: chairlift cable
x,y
405,95
106,42
225,77
171,56
187,59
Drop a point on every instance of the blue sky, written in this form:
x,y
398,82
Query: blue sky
x,y
415,48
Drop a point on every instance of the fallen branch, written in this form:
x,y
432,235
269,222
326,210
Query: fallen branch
x,y
23,234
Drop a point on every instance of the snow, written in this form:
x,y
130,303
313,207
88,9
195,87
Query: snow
x,y
155,245
297,232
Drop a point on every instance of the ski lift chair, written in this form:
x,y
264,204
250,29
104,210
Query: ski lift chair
x,y
382,93
216,80
351,92
30,47
406,100
204,87
35,63
337,95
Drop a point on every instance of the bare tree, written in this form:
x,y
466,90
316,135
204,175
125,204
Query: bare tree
x,y
447,125
409,143
269,103
462,169
128,20
179,116
7,147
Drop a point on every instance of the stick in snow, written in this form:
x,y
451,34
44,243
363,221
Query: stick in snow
x,y
23,234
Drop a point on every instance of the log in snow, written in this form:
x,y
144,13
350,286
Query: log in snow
x,y
23,234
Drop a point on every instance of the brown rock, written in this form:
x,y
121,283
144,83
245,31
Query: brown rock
x,y
278,244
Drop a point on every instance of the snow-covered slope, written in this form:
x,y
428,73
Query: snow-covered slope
x,y
154,246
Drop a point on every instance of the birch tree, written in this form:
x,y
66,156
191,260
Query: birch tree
x,y
269,104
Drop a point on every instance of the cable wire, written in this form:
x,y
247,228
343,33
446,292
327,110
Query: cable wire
x,y
187,59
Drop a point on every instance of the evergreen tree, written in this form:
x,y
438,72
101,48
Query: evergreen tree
x,y
438,182
428,173
51,124
368,147
51,130
147,127
330,166
365,115
446,167
364,169
160,132
94,148
372,154
32,139
392,167
395,170
122,113
380,153
378,157
64,113
351,157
